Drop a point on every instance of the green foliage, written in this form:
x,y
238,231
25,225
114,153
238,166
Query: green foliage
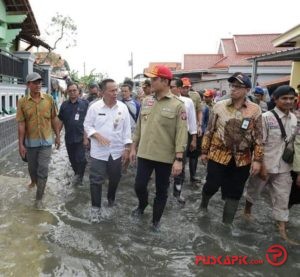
x,y
87,79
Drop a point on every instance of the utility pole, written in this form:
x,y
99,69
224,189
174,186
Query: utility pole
x,y
83,68
130,63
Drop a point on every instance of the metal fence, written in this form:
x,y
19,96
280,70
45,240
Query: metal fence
x,y
11,67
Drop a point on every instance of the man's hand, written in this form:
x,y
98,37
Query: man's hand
x,y
101,140
204,158
22,150
193,144
176,168
298,181
255,168
57,142
132,154
199,131
125,158
86,142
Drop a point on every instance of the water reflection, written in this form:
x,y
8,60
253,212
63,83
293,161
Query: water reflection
x,y
60,241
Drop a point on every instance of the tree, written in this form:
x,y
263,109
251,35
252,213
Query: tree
x,y
62,29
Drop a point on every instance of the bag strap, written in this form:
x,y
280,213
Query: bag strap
x,y
283,133
130,111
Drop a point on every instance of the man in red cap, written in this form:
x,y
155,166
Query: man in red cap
x,y
160,137
193,155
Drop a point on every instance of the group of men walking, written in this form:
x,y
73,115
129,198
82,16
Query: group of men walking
x,y
158,135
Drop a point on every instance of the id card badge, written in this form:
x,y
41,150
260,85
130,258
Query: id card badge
x,y
77,116
245,123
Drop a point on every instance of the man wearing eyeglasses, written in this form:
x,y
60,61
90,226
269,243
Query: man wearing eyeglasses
x,y
234,130
37,117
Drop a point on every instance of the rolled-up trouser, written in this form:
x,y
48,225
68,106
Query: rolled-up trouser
x,y
98,172
38,164
279,186
76,153
162,174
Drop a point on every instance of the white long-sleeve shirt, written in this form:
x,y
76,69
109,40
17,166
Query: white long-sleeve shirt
x,y
111,123
190,114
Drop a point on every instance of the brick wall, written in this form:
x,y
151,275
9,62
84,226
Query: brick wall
x,y
9,134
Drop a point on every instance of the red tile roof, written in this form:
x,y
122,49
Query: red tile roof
x,y
254,44
234,52
200,61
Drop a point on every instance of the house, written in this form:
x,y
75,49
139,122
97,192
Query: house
x,y
212,70
17,24
290,38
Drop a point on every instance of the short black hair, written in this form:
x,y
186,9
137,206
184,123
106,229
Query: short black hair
x,y
71,84
104,82
127,85
178,81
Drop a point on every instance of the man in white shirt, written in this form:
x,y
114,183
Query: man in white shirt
x,y
175,86
107,124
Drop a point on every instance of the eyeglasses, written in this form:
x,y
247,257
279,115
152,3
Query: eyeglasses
x,y
236,86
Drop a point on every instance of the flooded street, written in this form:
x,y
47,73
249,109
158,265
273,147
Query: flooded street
x,y
60,241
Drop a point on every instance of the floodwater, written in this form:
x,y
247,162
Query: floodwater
x,y
60,240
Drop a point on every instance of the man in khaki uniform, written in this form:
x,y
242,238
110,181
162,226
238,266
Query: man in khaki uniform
x,y
161,137
194,154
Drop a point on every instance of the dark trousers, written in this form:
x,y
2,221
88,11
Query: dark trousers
x,y
38,165
229,177
76,153
193,155
98,172
162,174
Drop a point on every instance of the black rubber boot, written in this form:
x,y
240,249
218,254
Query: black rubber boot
x,y
229,211
205,201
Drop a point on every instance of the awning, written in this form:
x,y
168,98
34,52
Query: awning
x,y
292,54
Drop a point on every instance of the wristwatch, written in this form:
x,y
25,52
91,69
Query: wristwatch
x,y
178,159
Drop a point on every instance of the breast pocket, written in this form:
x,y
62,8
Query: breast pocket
x,y
167,118
145,114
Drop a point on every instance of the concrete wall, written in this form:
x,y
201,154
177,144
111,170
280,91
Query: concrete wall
x,y
9,134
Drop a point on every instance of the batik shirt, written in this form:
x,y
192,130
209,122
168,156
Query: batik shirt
x,y
233,133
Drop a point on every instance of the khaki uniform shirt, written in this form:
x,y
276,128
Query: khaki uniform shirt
x,y
273,142
161,129
196,100
232,133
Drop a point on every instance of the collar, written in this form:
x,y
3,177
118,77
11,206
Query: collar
x,y
281,114
245,104
168,95
77,101
102,104
41,95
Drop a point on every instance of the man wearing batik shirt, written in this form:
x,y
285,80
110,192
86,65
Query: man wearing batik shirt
x,y
37,119
234,128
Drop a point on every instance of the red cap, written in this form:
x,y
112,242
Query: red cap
x,y
159,71
186,82
208,93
